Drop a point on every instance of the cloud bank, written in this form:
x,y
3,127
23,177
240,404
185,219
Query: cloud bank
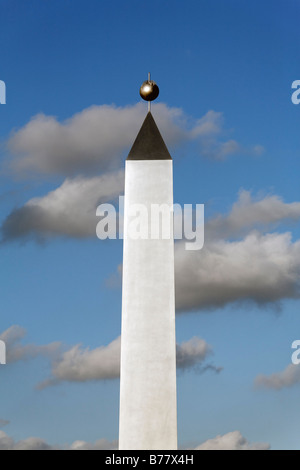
x,y
250,212
35,443
239,262
92,140
262,269
79,364
287,378
231,441
192,354
68,211
3,422
96,138
16,351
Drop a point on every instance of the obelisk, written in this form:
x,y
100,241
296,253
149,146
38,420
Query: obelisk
x,y
148,405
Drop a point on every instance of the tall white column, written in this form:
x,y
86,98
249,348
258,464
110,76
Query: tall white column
x,y
148,409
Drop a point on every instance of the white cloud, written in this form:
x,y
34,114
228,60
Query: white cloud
x,y
35,443
69,210
210,124
192,354
6,442
31,443
231,441
16,351
114,281
260,268
91,140
263,269
257,150
287,378
100,444
96,138
3,422
239,262
209,133
80,364
249,212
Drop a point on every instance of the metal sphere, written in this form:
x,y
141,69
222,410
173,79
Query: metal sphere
x,y
149,91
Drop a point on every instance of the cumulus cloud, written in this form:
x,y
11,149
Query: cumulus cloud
x,y
100,444
96,138
3,422
231,441
80,364
69,210
287,378
91,140
239,262
263,269
192,354
31,443
16,351
208,131
114,281
35,443
249,212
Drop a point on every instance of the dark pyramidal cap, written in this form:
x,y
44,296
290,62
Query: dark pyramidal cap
x,y
149,144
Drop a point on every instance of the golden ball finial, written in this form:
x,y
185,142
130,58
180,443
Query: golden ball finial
x,y
149,91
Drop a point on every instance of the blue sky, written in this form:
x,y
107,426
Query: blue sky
x,y
72,71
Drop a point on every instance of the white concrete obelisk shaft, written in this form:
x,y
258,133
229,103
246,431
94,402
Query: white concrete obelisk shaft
x,y
148,410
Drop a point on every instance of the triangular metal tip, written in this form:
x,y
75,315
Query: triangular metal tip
x,y
149,144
